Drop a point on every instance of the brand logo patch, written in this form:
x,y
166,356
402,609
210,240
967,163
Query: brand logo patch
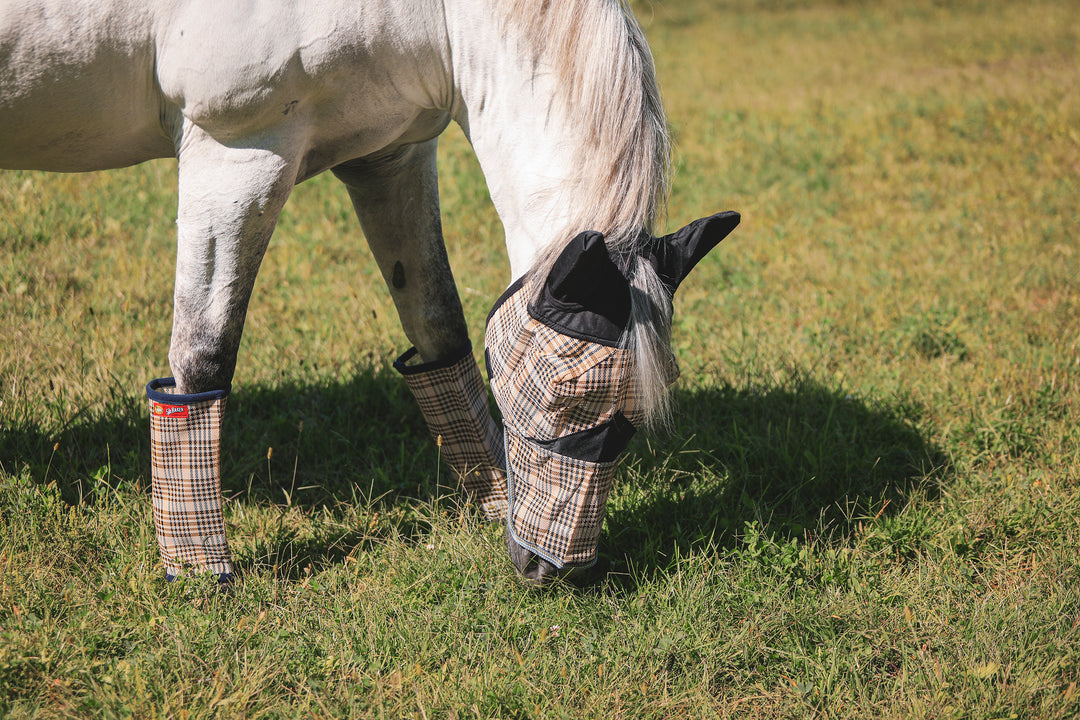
x,y
170,411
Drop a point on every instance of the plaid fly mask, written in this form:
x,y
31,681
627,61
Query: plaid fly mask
x,y
564,380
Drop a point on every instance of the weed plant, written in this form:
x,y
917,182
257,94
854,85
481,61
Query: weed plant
x,y
866,506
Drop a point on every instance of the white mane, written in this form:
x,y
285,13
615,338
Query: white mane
x,y
604,68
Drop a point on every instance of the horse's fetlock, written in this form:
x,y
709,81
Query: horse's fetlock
x,y
198,370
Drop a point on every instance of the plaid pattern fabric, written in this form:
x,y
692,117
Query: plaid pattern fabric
x,y
453,399
566,387
185,432
549,386
557,501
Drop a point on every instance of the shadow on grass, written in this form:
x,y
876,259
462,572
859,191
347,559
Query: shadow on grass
x,y
318,441
355,441
802,458
793,458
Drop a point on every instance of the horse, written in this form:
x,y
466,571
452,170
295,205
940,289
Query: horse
x,y
559,101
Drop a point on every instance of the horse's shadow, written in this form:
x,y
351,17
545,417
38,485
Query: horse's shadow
x,y
792,459
798,461
301,442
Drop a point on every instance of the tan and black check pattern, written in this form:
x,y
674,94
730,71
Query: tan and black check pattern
x,y
186,480
557,501
454,403
548,386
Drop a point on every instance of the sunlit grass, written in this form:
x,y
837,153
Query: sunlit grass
x,y
867,505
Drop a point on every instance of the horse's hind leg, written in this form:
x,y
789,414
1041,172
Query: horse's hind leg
x,y
229,202
397,200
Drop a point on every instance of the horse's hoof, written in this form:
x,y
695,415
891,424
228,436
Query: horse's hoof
x,y
225,581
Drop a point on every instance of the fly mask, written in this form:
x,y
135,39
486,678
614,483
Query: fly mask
x,y
565,382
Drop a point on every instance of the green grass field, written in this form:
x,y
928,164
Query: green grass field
x,y
866,508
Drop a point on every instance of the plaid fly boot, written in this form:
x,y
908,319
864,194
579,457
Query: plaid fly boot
x,y
185,450
453,399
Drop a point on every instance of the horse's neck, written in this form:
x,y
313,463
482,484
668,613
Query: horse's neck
x,y
522,139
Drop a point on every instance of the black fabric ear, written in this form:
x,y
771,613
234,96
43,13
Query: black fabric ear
x,y
585,295
674,256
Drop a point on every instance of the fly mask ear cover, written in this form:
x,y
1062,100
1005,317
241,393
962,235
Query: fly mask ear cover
x,y
675,255
564,382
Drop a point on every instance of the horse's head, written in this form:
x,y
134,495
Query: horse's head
x,y
565,383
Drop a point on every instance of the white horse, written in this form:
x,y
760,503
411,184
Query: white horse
x,y
558,99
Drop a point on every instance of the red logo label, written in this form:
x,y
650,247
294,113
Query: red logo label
x,y
170,411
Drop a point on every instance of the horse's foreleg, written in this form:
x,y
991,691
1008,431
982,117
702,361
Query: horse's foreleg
x,y
229,201
397,200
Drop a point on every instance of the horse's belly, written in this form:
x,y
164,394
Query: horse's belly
x,y
377,131
65,133
76,93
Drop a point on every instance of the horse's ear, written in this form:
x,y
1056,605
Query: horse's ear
x,y
583,270
585,295
674,256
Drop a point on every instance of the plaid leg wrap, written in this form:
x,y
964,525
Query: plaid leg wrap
x,y
185,433
453,399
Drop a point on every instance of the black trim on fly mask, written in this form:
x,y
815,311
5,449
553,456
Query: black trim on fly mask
x,y
674,256
508,293
599,444
585,295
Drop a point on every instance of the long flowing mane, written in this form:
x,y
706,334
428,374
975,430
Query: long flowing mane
x,y
605,75
604,71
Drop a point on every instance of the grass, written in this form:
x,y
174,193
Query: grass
x,y
867,505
